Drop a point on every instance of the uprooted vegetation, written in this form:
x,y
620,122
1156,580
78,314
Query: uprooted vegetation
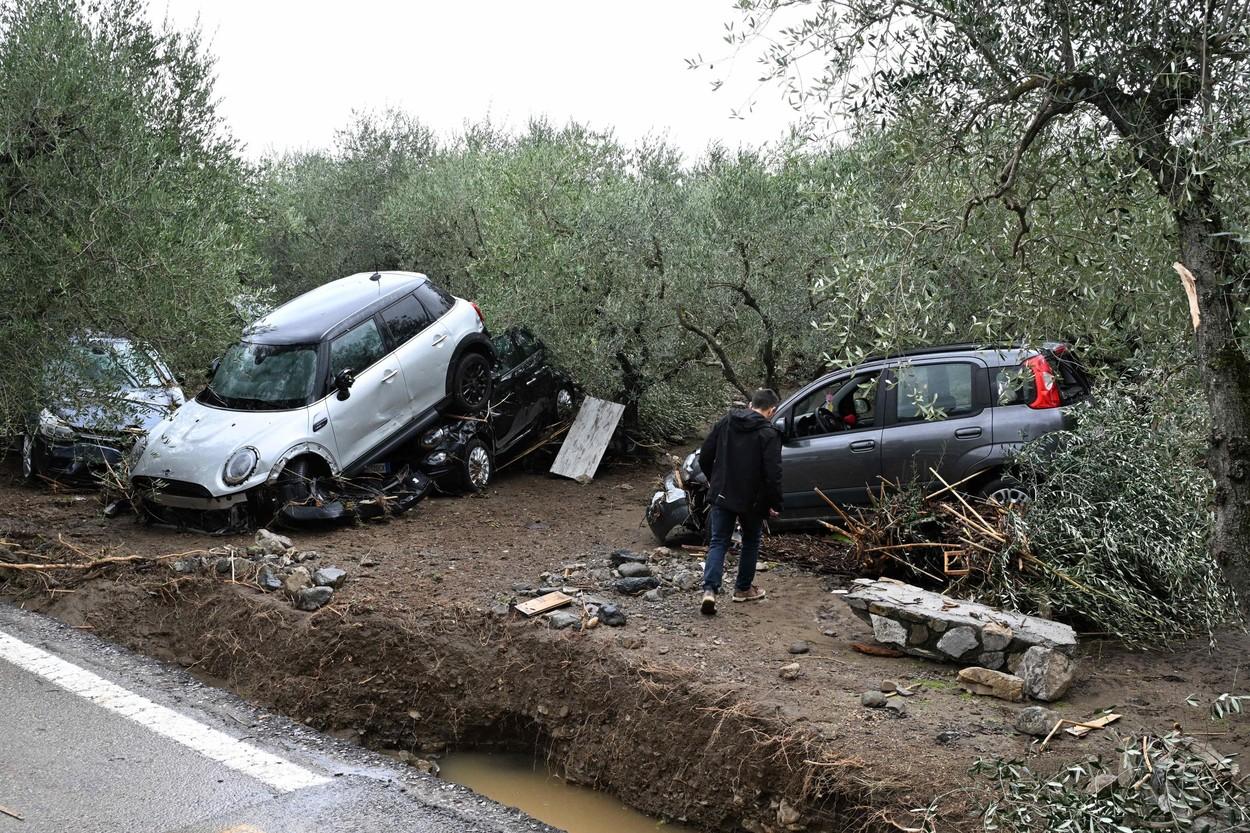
x,y
1114,539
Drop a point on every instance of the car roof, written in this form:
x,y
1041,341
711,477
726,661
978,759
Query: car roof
x,y
331,308
994,355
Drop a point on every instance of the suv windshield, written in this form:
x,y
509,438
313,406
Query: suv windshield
x,y
263,377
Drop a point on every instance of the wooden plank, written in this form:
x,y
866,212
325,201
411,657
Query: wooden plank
x,y
1083,728
587,440
542,604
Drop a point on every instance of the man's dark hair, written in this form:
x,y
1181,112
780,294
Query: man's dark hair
x,y
764,398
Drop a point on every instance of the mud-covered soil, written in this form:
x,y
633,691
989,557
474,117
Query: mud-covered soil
x,y
681,715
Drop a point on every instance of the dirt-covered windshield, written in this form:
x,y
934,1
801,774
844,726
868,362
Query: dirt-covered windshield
x,y
263,377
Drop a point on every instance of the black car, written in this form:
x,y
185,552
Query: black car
x,y
530,399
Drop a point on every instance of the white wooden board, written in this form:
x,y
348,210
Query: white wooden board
x,y
587,440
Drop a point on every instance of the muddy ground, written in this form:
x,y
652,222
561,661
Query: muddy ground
x,y
680,715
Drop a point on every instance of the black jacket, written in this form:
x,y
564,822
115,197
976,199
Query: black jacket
x,y
742,460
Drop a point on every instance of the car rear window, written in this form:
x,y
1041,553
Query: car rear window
x,y
436,300
405,318
1015,385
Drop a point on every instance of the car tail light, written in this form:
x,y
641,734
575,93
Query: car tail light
x,y
1044,382
480,316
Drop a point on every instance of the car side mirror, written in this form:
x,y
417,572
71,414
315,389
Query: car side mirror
x,y
212,369
343,384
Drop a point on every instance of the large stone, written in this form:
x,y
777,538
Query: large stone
x,y
991,683
267,579
911,608
1047,674
561,619
632,569
271,543
612,616
958,642
992,659
687,580
634,586
1037,721
619,557
887,631
313,598
297,580
329,577
873,699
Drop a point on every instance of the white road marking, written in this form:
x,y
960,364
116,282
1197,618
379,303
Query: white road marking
x,y
240,756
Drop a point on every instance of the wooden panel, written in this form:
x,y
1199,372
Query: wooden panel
x,y
587,440
542,604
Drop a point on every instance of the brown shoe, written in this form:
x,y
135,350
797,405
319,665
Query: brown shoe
x,y
709,603
752,595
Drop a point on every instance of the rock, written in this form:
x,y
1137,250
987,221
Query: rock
x,y
873,699
634,586
329,577
619,557
920,617
592,623
687,580
947,738
896,706
1036,721
996,637
662,552
306,556
789,817
600,575
790,672
225,565
888,686
426,766
185,566
254,551
992,683
313,598
957,642
800,647
632,569
653,596
612,616
630,643
561,619
268,579
271,543
1047,674
887,631
297,580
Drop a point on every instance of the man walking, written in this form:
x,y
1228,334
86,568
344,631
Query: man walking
x,y
742,460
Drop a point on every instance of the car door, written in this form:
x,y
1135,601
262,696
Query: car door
x,y
844,463
377,400
937,419
423,351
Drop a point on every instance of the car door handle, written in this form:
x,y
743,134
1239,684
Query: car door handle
x,y
439,339
389,374
968,433
863,445
319,424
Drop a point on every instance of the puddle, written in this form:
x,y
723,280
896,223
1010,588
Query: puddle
x,y
522,782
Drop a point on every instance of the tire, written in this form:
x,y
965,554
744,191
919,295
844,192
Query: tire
x,y
477,467
31,451
472,383
1005,490
302,482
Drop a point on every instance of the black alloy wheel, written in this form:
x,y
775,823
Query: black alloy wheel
x,y
472,382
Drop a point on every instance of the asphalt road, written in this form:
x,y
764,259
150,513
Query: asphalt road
x,y
94,739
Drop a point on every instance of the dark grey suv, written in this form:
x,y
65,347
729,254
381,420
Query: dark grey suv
x,y
959,410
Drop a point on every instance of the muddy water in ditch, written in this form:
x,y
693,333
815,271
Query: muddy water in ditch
x,y
522,782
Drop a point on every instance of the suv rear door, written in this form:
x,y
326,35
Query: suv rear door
x,y
423,349
844,463
937,416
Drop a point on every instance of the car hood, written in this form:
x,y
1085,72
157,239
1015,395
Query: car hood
x,y
114,412
194,442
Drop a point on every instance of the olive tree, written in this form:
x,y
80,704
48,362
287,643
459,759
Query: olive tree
x,y
1161,82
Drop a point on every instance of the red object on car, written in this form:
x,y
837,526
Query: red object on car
x,y
1044,383
480,316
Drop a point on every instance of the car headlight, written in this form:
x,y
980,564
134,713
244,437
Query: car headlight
x,y
436,459
53,427
240,466
434,437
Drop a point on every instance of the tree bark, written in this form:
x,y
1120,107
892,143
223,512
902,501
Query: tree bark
x,y
1225,374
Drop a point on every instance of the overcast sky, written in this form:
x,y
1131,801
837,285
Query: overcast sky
x,y
290,73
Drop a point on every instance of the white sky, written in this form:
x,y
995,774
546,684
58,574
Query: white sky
x,y
290,73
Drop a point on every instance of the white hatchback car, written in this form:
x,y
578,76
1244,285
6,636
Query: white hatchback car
x,y
321,387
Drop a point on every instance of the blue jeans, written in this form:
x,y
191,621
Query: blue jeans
x,y
722,526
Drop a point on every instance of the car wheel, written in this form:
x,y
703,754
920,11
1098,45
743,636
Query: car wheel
x,y
477,466
471,384
303,482
1005,491
564,403
30,453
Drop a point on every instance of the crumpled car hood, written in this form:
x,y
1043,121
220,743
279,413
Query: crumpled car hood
x,y
194,442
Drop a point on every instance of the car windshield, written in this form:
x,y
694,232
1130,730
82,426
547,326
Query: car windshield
x,y
107,365
263,377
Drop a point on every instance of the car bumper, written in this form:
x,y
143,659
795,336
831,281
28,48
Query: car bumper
x,y
79,459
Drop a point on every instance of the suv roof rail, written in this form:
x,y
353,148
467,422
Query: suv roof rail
x,y
960,347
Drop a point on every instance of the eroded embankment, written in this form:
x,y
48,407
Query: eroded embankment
x,y
663,741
